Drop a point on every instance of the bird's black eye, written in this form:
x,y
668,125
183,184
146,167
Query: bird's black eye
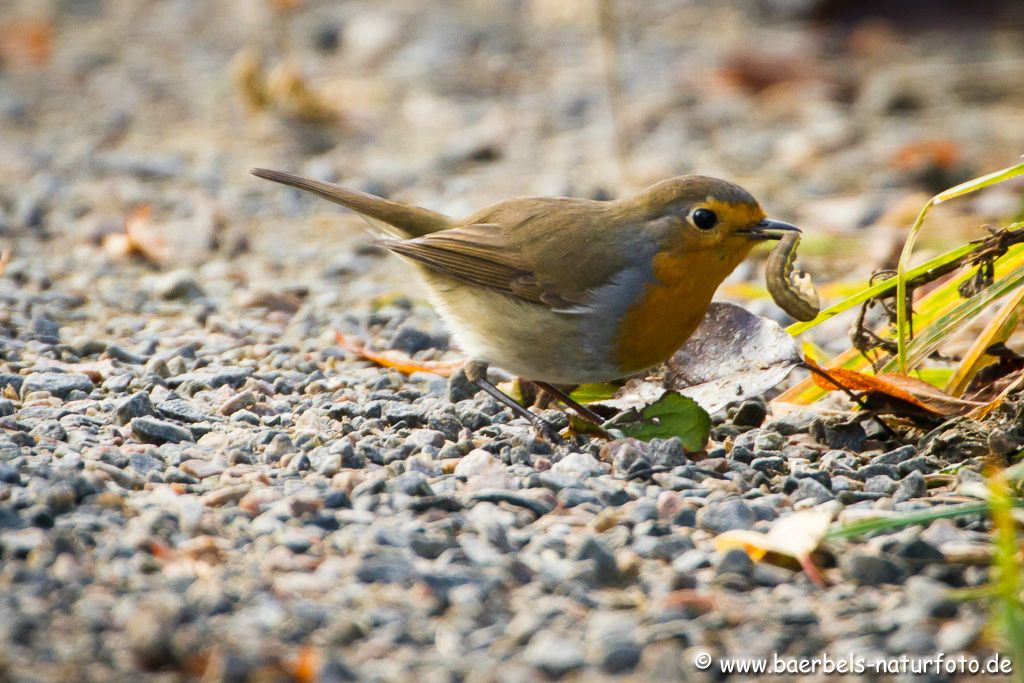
x,y
705,219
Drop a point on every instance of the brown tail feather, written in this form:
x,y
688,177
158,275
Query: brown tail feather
x,y
411,221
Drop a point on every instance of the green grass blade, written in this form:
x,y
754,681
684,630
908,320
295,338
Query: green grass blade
x,y
932,336
902,304
913,518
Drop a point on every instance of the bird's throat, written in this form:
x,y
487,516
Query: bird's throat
x,y
672,306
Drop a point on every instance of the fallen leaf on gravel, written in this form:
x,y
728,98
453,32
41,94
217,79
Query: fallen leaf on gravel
x,y
981,411
910,390
305,668
290,94
138,239
396,360
29,41
733,355
247,76
924,153
796,535
671,415
694,603
286,302
203,548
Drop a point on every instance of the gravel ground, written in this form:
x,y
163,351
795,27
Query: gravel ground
x,y
196,482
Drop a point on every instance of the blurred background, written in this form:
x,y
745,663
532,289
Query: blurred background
x,y
136,246
127,129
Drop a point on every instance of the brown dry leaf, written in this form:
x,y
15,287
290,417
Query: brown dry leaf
x,y
796,535
688,600
208,549
751,70
903,388
248,78
139,238
286,302
919,154
290,95
984,409
733,355
398,361
5,258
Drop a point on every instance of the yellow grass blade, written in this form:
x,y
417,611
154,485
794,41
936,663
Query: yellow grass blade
x,y
998,330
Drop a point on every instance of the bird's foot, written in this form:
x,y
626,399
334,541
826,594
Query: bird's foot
x,y
476,372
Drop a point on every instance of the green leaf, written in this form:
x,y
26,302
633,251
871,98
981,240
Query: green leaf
x,y
671,415
589,393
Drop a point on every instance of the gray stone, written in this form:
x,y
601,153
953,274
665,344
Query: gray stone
x,y
385,565
808,487
606,569
136,406
151,430
735,561
553,655
180,409
796,422
412,340
848,435
178,284
750,414
233,377
411,484
460,388
124,355
59,384
895,457
240,401
13,381
880,484
769,464
717,518
666,452
912,486
872,570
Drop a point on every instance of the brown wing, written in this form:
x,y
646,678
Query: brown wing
x,y
477,254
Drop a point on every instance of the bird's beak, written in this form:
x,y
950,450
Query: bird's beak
x,y
767,229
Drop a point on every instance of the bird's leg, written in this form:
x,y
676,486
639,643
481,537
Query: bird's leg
x,y
476,372
581,410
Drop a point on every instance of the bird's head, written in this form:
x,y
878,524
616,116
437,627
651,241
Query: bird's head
x,y
710,214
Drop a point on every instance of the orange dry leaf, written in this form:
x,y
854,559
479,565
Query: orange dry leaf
x,y
138,239
910,390
161,550
398,361
27,41
305,668
942,154
5,258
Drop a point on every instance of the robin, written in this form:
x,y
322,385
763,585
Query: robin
x,y
565,291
